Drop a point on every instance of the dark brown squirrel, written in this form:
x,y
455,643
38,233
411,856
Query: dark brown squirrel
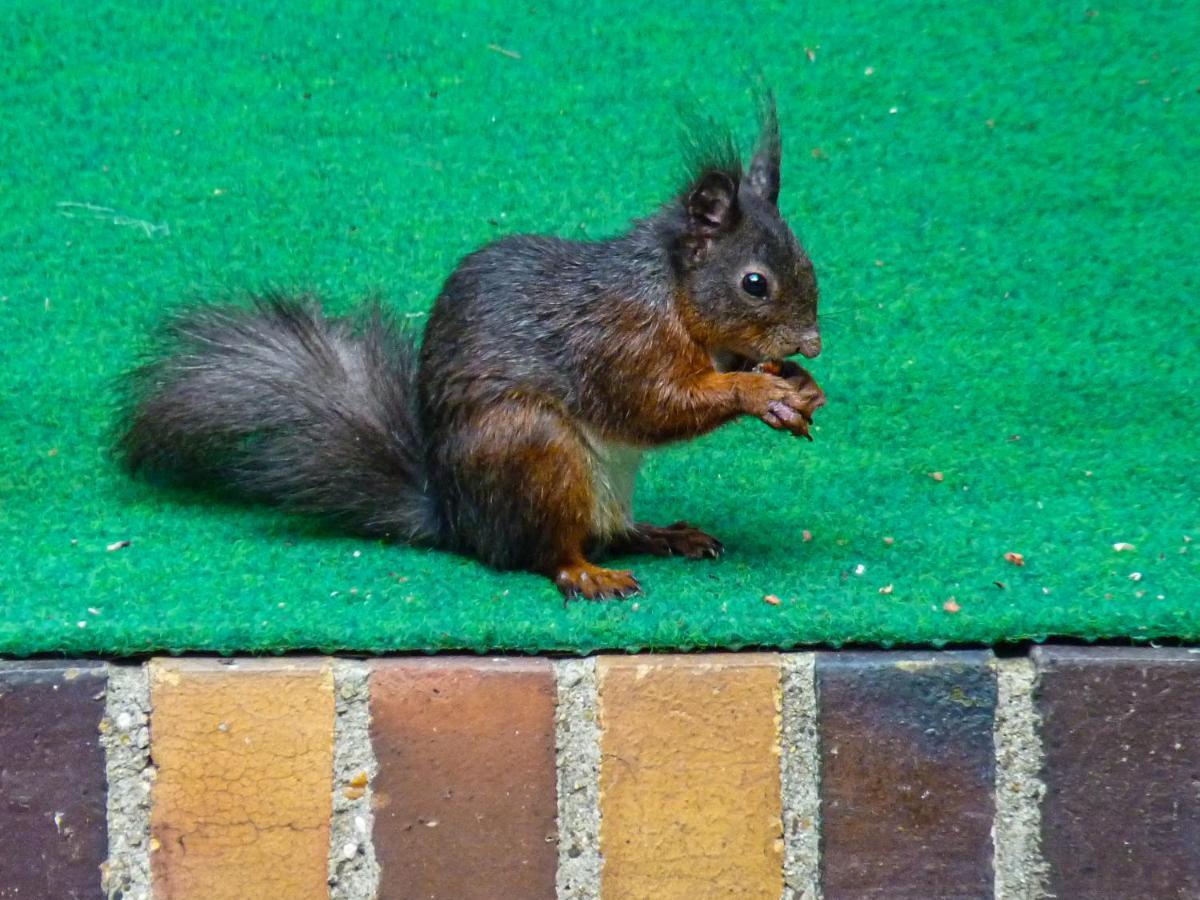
x,y
547,368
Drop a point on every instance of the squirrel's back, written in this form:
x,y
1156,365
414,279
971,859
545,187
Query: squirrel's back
x,y
539,314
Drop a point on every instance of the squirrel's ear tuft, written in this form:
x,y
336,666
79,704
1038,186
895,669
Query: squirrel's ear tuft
x,y
711,204
763,177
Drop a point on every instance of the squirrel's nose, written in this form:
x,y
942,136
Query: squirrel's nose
x,y
810,343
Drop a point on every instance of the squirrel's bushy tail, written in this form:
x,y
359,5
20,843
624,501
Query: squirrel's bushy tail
x,y
279,404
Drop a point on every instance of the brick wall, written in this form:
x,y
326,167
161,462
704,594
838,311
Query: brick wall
x,y
1069,773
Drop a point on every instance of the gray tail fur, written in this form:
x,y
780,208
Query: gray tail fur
x,y
278,404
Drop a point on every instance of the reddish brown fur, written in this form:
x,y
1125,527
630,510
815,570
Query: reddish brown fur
x,y
528,445
659,383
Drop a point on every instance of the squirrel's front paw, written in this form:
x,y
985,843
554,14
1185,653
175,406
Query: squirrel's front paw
x,y
783,405
808,388
797,376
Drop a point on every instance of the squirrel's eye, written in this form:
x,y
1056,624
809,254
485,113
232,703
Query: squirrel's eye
x,y
755,284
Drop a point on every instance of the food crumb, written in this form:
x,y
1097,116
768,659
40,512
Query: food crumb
x,y
860,569
889,541
772,599
1016,559
806,535
951,606
1121,546
1135,576
117,545
937,476
887,589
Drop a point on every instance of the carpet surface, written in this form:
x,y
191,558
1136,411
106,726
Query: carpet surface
x,y
1002,202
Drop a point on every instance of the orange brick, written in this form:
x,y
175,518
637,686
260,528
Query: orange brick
x,y
689,777
243,795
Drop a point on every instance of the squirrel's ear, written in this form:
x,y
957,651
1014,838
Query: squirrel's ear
x,y
763,177
712,204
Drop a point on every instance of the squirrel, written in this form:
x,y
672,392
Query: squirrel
x,y
546,369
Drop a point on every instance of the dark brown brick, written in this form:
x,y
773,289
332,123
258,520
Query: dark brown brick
x,y
1121,735
907,771
465,795
52,787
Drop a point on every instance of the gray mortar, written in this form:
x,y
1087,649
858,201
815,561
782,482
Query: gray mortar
x,y
801,774
125,736
577,740
353,869
1020,870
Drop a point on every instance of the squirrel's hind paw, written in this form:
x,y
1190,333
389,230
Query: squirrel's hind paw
x,y
589,582
680,539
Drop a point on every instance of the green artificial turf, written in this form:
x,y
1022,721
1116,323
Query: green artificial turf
x,y
1001,200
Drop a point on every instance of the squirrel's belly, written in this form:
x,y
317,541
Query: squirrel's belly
x,y
614,475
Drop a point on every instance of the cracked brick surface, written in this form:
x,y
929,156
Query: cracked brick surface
x,y
690,776
52,785
242,800
465,795
671,767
